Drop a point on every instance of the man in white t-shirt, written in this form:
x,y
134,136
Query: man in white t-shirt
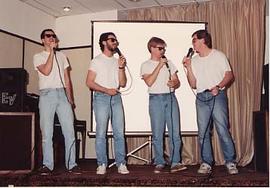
x,y
210,73
105,76
55,97
160,75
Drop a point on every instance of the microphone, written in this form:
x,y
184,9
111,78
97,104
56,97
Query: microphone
x,y
190,52
118,51
55,50
56,47
166,63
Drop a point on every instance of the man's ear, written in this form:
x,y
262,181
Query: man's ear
x,y
203,40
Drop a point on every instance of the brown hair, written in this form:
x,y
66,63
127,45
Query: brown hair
x,y
42,35
154,41
104,37
203,34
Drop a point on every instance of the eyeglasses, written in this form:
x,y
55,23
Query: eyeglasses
x,y
50,35
112,39
160,48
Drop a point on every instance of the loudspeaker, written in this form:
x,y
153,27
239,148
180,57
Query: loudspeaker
x,y
261,140
265,94
12,89
17,142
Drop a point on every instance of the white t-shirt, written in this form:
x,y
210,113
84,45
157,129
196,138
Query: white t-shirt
x,y
53,80
210,70
106,69
160,85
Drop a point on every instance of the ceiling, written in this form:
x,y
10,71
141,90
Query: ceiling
x,y
55,7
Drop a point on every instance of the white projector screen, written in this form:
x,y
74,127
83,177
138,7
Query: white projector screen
x,y
133,38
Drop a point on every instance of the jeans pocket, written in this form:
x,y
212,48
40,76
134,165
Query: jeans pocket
x,y
44,92
151,97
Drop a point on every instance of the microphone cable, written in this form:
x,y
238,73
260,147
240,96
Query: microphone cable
x,y
200,99
111,119
171,113
189,55
210,116
126,91
61,79
129,89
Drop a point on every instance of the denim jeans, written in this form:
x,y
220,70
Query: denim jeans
x,y
53,101
109,107
164,109
216,111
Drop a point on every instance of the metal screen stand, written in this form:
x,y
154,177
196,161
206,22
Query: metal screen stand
x,y
132,153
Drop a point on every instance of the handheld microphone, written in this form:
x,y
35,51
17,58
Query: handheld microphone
x,y
164,57
118,51
190,52
167,65
56,50
56,47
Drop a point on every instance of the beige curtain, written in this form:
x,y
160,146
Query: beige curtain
x,y
237,29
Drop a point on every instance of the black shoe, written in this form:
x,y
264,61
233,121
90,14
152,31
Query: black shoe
x,y
44,171
75,170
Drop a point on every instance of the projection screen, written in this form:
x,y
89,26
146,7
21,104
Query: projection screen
x,y
133,38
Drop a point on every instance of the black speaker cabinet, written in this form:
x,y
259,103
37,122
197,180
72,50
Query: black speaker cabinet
x,y
12,89
261,140
17,142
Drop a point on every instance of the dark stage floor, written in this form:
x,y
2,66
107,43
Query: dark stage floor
x,y
140,175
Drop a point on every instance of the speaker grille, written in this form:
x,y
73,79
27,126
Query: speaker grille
x,y
12,89
16,141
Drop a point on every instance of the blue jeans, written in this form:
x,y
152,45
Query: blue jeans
x,y
215,110
164,109
109,107
53,101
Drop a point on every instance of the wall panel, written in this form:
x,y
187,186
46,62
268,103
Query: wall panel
x,y
11,51
79,60
29,51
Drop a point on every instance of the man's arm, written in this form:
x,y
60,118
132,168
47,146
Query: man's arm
x,y
121,71
68,83
190,76
46,68
174,82
228,78
91,84
149,79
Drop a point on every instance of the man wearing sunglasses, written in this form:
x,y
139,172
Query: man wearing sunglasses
x,y
55,97
105,76
160,75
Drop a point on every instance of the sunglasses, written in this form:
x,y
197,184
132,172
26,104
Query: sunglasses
x,y
160,48
50,35
112,39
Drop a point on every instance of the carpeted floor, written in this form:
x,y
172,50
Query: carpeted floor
x,y
140,175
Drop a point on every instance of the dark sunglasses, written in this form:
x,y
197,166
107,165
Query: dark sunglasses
x,y
161,48
50,35
112,39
